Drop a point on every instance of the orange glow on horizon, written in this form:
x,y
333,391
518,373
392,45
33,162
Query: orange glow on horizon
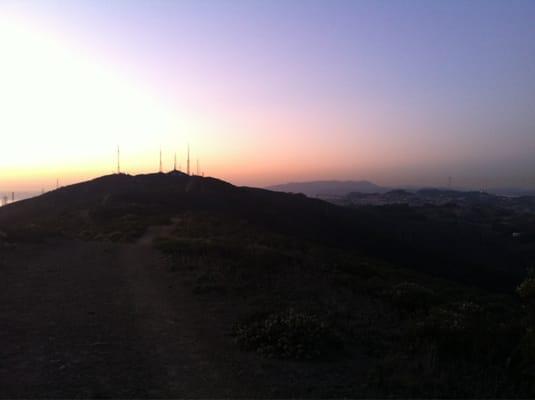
x,y
66,104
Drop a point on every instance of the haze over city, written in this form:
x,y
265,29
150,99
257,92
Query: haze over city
x,y
268,92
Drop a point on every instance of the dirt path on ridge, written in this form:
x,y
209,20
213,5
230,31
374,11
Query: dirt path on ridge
x,y
88,319
98,319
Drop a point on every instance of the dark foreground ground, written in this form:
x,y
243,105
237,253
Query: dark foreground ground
x,y
101,319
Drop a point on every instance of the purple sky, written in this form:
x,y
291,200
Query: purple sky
x,y
399,92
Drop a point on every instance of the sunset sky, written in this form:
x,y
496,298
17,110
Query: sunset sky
x,y
265,92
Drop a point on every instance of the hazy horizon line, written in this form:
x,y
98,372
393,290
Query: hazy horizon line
x,y
460,187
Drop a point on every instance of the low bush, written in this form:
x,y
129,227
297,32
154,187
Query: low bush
x,y
523,358
452,319
526,290
412,297
457,329
289,335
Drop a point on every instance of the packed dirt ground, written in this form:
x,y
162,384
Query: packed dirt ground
x,y
102,319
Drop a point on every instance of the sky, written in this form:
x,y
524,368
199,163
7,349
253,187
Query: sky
x,y
265,92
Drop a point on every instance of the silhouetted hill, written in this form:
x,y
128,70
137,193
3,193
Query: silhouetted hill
x,y
101,202
328,188
120,207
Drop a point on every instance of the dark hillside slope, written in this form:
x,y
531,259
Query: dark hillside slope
x,y
121,207
163,195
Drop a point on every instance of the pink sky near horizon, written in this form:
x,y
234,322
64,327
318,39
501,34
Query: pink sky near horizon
x,y
261,98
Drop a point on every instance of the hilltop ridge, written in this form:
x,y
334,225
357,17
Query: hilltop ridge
x,y
100,203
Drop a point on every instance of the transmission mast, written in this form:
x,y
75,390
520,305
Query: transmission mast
x,y
161,167
188,161
118,160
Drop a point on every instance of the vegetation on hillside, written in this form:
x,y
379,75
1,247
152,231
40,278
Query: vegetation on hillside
x,y
291,299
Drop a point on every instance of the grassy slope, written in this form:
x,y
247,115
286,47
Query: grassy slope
x,y
423,336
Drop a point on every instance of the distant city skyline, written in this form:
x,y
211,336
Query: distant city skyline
x,y
268,92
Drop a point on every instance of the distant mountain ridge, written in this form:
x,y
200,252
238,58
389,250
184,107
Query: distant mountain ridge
x,y
440,197
512,191
336,188
329,188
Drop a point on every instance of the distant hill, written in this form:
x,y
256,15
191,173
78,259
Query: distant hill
x,y
329,188
510,191
439,197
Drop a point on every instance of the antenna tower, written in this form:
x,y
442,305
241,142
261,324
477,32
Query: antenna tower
x,y
118,160
174,165
161,168
188,161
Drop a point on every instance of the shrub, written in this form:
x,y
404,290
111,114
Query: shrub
x,y
526,290
456,328
455,318
522,361
288,335
411,296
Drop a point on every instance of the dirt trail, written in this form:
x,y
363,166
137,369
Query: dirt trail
x,y
87,319
155,232
96,319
